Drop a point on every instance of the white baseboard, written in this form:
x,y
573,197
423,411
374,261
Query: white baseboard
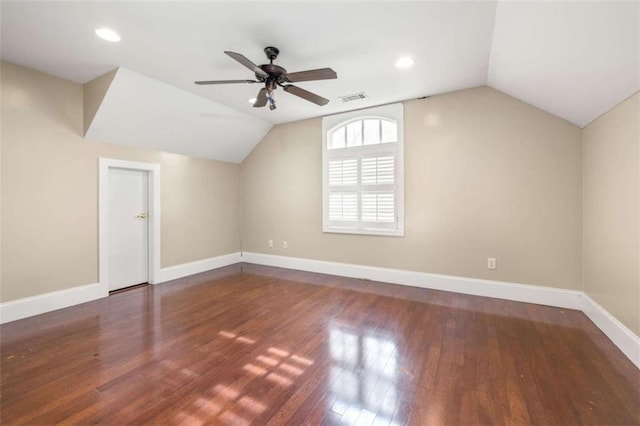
x,y
620,335
550,296
36,305
179,271
617,332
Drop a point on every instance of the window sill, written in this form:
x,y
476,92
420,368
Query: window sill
x,y
374,232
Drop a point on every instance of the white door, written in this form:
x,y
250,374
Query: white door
x,y
128,228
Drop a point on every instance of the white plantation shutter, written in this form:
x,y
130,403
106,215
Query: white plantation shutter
x,y
378,207
362,156
378,170
343,172
343,206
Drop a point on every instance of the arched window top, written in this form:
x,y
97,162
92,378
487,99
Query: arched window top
x,y
363,131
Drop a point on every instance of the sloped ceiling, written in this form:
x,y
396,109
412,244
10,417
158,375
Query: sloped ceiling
x,y
576,60
164,117
573,59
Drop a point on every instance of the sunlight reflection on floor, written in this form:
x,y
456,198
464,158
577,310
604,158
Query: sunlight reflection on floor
x,y
228,404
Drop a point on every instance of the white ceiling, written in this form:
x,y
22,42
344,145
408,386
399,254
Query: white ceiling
x,y
575,60
164,117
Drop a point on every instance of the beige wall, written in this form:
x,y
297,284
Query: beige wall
x,y
486,175
611,238
50,200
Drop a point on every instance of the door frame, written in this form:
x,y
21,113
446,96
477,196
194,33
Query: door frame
x,y
153,193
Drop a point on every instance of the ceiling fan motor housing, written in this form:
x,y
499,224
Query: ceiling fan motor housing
x,y
276,75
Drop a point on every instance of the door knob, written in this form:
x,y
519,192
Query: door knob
x,y
142,216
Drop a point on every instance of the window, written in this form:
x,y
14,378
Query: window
x,y
363,172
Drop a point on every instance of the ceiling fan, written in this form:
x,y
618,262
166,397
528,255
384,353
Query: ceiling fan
x,y
274,75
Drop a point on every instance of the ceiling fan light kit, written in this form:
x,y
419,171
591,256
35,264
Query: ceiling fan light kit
x,y
272,76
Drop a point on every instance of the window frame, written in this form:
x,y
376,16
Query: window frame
x,y
392,112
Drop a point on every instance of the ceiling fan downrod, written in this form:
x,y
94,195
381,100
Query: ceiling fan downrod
x,y
272,53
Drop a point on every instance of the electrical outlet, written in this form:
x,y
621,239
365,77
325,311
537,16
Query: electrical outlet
x,y
271,243
491,263
285,244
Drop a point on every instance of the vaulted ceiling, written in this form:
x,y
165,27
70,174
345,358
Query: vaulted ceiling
x,y
573,59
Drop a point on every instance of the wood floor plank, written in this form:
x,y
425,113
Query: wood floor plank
x,y
250,344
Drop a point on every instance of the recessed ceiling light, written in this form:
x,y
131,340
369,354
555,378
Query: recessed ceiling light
x,y
404,62
107,34
252,101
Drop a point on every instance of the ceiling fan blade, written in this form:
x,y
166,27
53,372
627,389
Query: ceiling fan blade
x,y
247,63
305,94
261,99
319,74
225,82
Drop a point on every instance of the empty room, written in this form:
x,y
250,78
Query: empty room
x,y
320,213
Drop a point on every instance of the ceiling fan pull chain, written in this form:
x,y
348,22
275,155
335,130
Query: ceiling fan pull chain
x,y
272,100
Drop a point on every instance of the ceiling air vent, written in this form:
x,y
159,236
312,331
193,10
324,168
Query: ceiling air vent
x,y
354,97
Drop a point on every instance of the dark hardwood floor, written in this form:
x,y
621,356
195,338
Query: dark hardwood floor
x,y
255,345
